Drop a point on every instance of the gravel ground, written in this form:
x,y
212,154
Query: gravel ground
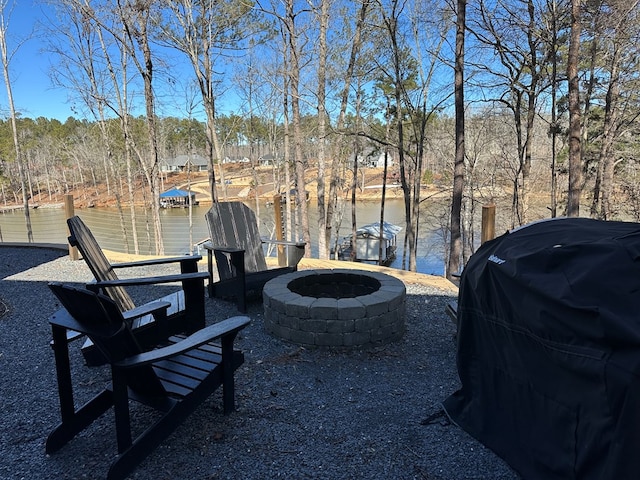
x,y
301,413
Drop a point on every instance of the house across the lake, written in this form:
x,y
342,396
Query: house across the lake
x,y
268,159
373,158
182,163
240,159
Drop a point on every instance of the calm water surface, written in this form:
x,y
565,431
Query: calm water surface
x,y
181,232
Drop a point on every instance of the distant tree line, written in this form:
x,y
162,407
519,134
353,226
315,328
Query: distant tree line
x,y
546,97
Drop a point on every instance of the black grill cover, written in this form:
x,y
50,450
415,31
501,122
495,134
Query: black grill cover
x,y
549,349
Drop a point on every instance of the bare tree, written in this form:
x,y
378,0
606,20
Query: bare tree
x,y
455,248
575,127
127,22
135,16
6,57
332,217
618,53
409,73
553,23
288,21
86,61
398,75
323,232
207,31
509,29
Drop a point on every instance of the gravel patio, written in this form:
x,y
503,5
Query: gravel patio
x,y
301,413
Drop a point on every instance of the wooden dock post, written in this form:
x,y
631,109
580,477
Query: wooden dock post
x,y
69,211
277,215
488,222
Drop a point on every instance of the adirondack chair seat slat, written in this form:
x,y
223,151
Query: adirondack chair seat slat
x,y
203,355
213,348
179,373
237,248
204,350
174,379
185,311
199,362
177,380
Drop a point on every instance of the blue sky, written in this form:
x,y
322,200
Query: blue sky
x,y
33,93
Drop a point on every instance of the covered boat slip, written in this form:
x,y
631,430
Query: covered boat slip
x,y
549,349
177,198
368,244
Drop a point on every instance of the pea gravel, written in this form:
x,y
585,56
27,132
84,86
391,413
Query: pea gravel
x,y
301,413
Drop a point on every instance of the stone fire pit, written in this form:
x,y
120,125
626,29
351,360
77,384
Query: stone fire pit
x,y
335,308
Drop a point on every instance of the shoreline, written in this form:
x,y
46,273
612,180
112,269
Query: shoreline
x,y
435,281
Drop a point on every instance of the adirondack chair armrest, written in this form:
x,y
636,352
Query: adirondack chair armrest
x,y
221,248
187,262
284,242
123,282
61,318
298,249
227,328
148,308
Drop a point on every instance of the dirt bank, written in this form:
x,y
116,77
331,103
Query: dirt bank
x,y
238,185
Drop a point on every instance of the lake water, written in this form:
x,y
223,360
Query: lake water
x,y
180,232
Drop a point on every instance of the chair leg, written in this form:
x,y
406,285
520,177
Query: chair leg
x,y
228,382
189,265
121,410
143,445
63,371
210,270
73,422
241,302
81,419
194,304
237,262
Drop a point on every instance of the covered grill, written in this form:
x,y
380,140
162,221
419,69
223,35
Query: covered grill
x,y
549,349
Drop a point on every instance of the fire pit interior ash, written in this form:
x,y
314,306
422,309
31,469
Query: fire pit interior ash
x,y
335,308
335,285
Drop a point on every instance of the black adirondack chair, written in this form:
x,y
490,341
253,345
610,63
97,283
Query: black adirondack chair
x,y
236,245
174,379
179,312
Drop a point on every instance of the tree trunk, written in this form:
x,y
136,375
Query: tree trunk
x,y
14,126
455,249
324,233
554,108
384,175
135,18
609,136
335,178
294,77
575,127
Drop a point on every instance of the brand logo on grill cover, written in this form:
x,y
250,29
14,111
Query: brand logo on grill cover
x,y
497,260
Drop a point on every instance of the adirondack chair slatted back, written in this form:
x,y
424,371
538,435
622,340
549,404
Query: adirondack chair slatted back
x,y
82,238
102,321
233,224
